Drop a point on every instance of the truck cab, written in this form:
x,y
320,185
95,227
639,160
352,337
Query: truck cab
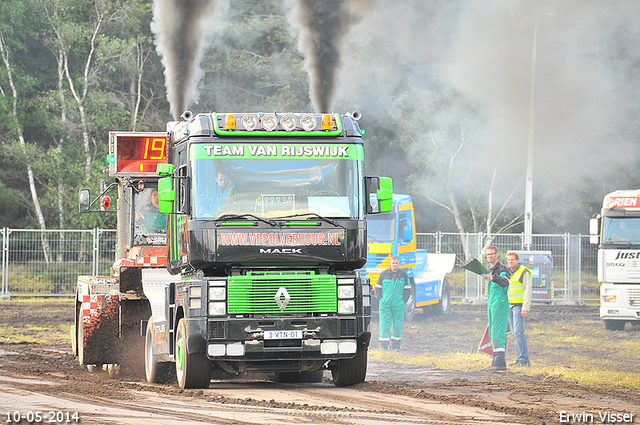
x,y
267,228
617,232
393,233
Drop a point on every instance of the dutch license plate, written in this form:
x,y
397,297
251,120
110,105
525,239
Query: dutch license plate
x,y
282,334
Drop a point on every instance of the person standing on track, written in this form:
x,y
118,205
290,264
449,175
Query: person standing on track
x,y
519,293
497,307
391,306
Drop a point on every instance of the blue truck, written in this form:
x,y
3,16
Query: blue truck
x,y
393,233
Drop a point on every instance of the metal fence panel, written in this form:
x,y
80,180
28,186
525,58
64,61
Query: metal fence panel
x,y
574,259
47,263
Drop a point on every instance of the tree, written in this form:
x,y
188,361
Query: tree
x,y
11,98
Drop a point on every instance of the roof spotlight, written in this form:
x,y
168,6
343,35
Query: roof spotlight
x,y
288,122
308,122
269,122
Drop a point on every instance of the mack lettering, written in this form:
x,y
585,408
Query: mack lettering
x,y
281,251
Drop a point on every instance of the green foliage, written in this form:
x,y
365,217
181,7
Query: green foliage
x,y
416,117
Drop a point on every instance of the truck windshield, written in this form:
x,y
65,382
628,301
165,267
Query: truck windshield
x,y
381,227
623,231
148,220
273,188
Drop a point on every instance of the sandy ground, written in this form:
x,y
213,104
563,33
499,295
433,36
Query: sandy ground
x,y
45,377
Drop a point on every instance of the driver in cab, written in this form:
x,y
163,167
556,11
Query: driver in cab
x,y
317,184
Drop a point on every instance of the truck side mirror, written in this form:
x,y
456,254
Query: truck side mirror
x,y
379,194
166,194
385,194
84,200
594,229
407,234
164,170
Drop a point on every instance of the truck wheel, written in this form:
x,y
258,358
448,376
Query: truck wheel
x,y
614,325
155,372
350,371
444,307
299,377
79,342
193,370
410,305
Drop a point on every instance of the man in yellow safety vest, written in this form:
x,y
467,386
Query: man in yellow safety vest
x,y
519,294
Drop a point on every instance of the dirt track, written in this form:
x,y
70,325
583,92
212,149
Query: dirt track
x,y
45,377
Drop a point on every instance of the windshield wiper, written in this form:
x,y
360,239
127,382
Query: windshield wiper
x,y
624,242
226,217
318,216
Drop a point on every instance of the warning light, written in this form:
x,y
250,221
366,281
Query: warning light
x,y
230,122
327,122
106,202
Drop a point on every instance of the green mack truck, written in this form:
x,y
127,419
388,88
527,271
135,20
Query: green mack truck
x,y
266,231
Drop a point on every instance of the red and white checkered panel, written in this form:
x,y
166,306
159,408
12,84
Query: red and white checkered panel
x,y
151,261
91,306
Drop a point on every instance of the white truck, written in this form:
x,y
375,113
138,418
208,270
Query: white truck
x,y
617,231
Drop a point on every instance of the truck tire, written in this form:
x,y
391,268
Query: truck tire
x,y
350,371
193,370
614,325
79,342
299,377
444,306
410,305
155,372
91,368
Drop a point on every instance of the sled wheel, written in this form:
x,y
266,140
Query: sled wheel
x,y
155,372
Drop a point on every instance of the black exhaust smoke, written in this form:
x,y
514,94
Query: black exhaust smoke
x,y
323,26
180,27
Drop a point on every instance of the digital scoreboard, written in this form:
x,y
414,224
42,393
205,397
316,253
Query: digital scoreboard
x,y
136,153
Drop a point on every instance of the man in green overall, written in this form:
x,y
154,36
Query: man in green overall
x,y
497,307
391,307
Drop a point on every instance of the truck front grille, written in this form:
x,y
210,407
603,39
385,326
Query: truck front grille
x,y
633,295
347,327
284,292
216,330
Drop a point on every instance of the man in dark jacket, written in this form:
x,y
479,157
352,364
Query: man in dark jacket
x,y
391,306
497,306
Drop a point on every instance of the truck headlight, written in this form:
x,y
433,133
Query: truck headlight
x,y
609,298
346,307
195,291
217,308
346,291
195,297
217,293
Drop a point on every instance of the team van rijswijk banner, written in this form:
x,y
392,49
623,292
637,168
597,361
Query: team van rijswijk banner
x,y
277,151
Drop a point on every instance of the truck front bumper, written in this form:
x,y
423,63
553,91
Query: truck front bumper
x,y
322,338
614,312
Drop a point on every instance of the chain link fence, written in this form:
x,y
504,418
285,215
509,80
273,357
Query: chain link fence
x,y
573,261
47,263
